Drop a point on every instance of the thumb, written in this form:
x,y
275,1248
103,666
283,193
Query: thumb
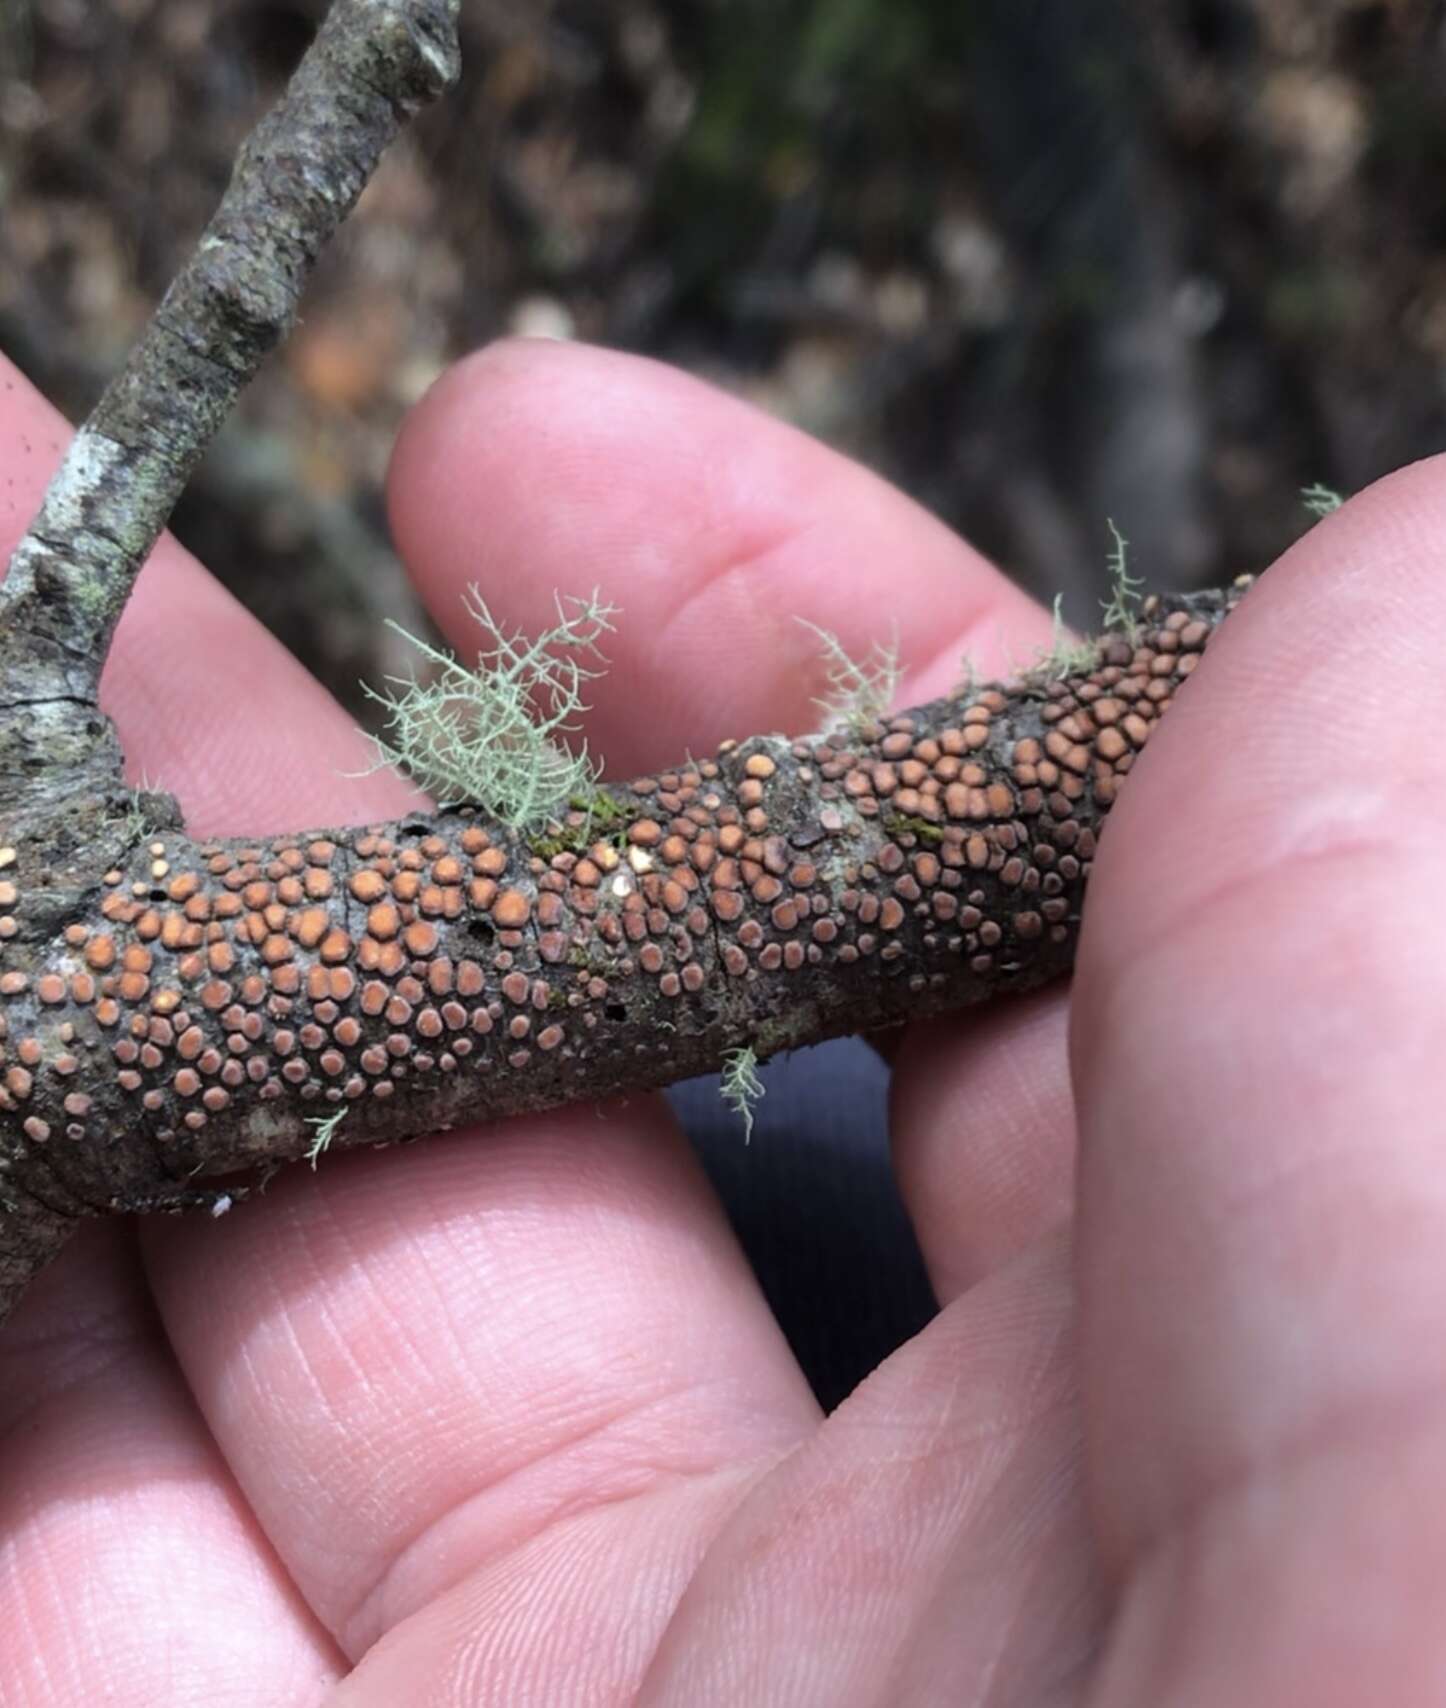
x,y
1258,1052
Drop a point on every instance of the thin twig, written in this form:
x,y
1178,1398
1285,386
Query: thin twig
x,y
372,65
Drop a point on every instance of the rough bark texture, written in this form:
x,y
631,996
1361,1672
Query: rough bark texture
x,y
372,65
188,1011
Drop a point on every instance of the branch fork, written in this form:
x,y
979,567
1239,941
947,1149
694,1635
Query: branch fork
x,y
175,1014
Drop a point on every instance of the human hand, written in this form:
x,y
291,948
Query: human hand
x,y
503,1418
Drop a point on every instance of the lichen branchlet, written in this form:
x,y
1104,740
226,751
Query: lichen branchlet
x,y
741,1088
1122,608
1067,655
324,1126
860,691
1321,500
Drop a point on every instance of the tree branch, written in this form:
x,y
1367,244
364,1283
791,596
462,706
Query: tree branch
x,y
178,1018
372,65
198,1006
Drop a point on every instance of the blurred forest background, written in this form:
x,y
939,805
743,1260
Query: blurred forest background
x,y
1042,262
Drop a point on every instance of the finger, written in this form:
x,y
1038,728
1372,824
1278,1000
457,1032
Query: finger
x,y
982,1117
213,709
929,1544
1263,1206
120,1532
571,1617
429,1364
537,468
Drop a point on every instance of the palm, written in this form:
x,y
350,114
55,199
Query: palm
x,y
505,1419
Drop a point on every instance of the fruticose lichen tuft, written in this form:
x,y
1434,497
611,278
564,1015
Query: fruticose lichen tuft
x,y
1066,656
487,735
326,1126
1320,500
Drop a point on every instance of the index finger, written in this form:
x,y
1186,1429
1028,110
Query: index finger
x,y
535,468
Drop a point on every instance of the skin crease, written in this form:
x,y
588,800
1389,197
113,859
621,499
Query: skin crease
x,y
505,1420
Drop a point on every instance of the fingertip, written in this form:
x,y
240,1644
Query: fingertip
x,y
1261,757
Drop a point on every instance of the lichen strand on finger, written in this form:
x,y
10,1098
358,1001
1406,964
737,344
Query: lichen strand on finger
x,y
219,996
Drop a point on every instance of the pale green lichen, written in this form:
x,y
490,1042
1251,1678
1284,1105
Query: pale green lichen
x,y
1122,608
1066,655
326,1126
903,824
860,692
487,735
741,1087
139,820
136,825
1320,500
